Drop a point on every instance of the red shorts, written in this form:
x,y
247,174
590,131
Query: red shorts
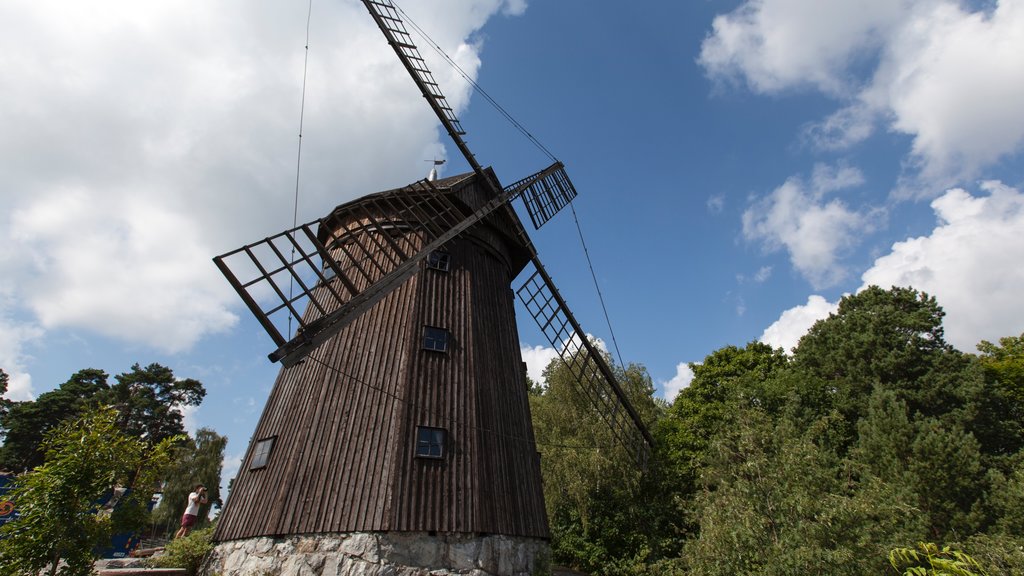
x,y
188,520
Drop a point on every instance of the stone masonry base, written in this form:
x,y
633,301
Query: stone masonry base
x,y
380,554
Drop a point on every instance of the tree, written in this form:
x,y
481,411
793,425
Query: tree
x,y
776,500
728,378
5,404
889,337
26,423
1004,364
195,461
60,518
149,401
1002,432
599,512
937,468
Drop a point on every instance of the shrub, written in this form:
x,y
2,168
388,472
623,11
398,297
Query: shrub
x,y
187,552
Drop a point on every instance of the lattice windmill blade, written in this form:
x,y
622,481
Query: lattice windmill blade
x,y
281,275
547,192
596,380
389,20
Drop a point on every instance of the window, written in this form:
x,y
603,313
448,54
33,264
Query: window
x,y
261,454
439,260
430,442
435,339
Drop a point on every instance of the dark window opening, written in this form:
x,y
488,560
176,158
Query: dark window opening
x,y
261,454
435,339
438,260
430,442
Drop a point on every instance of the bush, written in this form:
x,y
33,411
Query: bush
x,y
187,552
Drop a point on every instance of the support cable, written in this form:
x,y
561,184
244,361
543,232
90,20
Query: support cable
x,y
298,158
597,286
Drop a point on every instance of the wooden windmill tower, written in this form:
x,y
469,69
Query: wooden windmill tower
x,y
398,431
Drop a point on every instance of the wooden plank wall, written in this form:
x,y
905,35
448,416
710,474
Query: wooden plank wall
x,y
345,419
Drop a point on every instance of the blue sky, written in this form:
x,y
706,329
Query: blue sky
x,y
741,166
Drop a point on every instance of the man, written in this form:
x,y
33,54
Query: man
x,y
188,519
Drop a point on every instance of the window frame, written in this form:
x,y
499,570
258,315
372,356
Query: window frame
x,y
439,260
261,458
428,446
432,336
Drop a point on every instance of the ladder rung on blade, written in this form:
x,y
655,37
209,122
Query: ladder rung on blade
x,y
596,380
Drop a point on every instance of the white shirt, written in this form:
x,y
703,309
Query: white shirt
x,y
193,504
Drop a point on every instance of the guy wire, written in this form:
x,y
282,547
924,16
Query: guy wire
x,y
298,159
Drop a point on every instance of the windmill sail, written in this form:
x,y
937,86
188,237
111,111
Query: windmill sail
x,y
597,382
389,20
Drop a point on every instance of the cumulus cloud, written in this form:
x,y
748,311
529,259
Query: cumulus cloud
x,y
684,375
815,230
794,323
142,139
14,336
774,45
954,80
537,359
969,262
949,77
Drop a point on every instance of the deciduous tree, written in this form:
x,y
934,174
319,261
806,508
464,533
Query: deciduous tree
x,y
195,461
61,521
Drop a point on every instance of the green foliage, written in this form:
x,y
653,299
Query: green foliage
x,y
874,434
195,461
187,552
728,378
928,559
148,401
600,513
778,501
58,501
26,423
999,553
5,404
1003,368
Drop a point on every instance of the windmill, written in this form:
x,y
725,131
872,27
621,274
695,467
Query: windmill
x,y
399,423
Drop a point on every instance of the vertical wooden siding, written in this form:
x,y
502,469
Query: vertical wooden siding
x,y
345,419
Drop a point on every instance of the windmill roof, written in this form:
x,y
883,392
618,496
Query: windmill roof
x,y
460,188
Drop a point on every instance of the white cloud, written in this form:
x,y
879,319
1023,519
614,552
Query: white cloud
x,y
537,359
794,323
776,45
950,78
954,80
13,338
814,230
684,375
716,203
131,273
142,139
969,262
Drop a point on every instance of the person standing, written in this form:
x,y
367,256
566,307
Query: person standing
x,y
195,499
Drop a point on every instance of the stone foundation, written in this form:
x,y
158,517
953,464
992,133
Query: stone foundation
x,y
380,554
